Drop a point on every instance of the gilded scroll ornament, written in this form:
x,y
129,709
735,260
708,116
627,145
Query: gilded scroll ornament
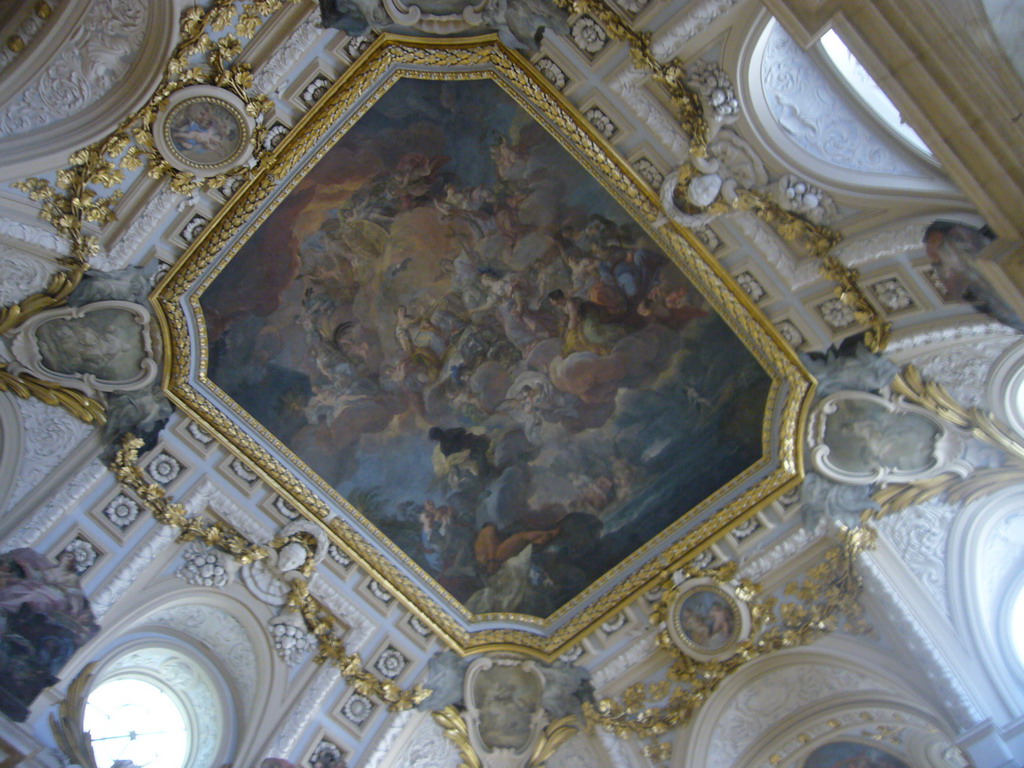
x,y
957,488
504,722
75,402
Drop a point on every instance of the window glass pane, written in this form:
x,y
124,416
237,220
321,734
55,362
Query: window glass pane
x,y
134,720
864,85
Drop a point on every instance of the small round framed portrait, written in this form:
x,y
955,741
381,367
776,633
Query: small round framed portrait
x,y
204,130
707,621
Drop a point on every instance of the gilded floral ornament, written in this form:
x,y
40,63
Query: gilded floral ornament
x,y
76,201
822,602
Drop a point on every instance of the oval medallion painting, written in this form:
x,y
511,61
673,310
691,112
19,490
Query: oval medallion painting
x,y
204,130
708,619
462,350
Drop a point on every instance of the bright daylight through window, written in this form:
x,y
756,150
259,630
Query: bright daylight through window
x,y
864,86
134,720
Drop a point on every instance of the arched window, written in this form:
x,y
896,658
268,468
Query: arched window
x,y
862,84
130,718
1015,619
158,705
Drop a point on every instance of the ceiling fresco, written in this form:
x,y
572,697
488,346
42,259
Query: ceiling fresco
x,y
449,327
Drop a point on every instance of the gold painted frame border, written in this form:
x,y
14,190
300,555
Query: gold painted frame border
x,y
388,59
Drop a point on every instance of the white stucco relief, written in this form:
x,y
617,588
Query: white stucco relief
x,y
38,236
21,274
818,117
221,633
577,752
386,743
919,535
129,573
960,358
629,84
771,697
125,250
309,705
948,688
300,41
57,508
428,748
50,434
698,16
97,56
882,245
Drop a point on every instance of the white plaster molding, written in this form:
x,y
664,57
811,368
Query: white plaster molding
x,y
222,634
208,496
795,273
952,694
125,250
697,16
765,562
11,447
21,274
50,435
58,507
629,84
46,239
882,245
303,712
919,536
637,652
577,752
386,744
128,574
968,329
618,750
98,55
285,56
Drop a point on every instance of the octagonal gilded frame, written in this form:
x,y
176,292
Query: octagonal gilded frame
x,y
177,303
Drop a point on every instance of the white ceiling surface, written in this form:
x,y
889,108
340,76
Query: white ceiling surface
x,y
926,668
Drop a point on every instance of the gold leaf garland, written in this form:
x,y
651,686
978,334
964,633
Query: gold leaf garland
x,y
319,621
828,593
331,648
819,241
78,404
167,512
672,75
